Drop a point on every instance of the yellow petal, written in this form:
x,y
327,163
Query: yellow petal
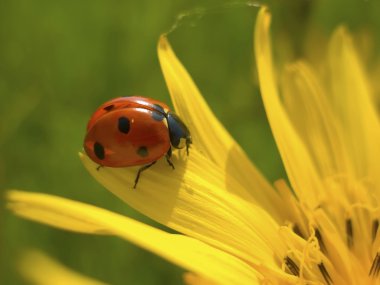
x,y
208,134
298,164
312,116
194,279
307,106
184,251
40,269
193,201
354,105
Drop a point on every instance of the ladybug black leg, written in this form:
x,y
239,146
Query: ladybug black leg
x,y
169,161
168,156
141,170
188,143
99,166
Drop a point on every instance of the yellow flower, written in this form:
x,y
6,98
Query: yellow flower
x,y
237,229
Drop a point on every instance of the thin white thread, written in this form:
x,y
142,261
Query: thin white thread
x,y
193,16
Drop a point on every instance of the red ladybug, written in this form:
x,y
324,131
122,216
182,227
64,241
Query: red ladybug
x,y
132,131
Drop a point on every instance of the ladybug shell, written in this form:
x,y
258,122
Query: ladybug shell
x,y
126,136
127,102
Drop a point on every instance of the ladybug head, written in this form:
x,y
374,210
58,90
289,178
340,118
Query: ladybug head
x,y
178,132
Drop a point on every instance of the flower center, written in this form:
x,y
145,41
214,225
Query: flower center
x,y
332,244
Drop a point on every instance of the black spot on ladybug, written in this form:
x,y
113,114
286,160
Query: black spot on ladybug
x,y
142,151
157,116
124,125
99,150
109,107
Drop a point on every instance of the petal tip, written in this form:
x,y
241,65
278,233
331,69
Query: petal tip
x,y
12,194
163,43
342,35
265,15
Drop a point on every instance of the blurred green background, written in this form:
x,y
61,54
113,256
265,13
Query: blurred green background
x,y
60,59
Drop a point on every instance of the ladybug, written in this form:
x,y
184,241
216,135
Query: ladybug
x,y
133,131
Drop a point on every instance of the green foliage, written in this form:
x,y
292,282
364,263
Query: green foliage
x,y
60,59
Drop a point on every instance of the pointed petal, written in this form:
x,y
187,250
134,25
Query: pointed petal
x,y
298,164
39,269
184,251
308,107
208,134
197,206
353,103
321,131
